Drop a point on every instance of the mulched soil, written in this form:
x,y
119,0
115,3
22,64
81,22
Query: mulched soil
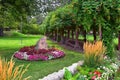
x,y
71,48
70,45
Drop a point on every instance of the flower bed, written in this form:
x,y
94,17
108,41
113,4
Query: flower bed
x,y
30,53
97,65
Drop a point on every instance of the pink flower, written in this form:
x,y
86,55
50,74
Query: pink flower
x,y
99,75
93,78
18,55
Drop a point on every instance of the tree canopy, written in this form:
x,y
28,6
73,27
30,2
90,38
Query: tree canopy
x,y
13,10
85,13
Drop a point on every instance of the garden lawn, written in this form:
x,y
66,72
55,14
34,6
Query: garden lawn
x,y
37,69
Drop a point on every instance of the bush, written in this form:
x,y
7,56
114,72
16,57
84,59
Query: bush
x,y
13,33
30,29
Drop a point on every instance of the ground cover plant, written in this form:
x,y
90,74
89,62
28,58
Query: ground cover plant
x,y
37,69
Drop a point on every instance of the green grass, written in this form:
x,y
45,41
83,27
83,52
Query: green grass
x,y
91,38
37,69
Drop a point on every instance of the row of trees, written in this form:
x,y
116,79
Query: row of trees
x,y
82,16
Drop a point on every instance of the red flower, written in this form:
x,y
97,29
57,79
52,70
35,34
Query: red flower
x,y
97,72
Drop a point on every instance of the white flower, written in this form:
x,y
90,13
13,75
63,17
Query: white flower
x,y
85,76
25,56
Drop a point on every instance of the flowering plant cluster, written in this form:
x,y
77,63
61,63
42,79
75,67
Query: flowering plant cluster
x,y
30,53
89,73
106,72
109,69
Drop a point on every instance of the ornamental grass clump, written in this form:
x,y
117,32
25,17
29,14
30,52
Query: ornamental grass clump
x,y
8,70
94,53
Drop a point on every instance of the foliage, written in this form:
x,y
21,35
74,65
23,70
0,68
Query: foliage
x,y
89,73
8,70
107,39
13,34
89,15
30,28
59,19
15,10
94,53
68,76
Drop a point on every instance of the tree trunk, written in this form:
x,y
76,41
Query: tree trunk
x,y
65,35
100,32
68,36
55,35
77,41
119,41
52,34
62,36
72,34
84,34
94,34
1,31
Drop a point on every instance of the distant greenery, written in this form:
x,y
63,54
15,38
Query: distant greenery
x,y
13,34
30,27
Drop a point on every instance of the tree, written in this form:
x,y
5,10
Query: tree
x,y
15,10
